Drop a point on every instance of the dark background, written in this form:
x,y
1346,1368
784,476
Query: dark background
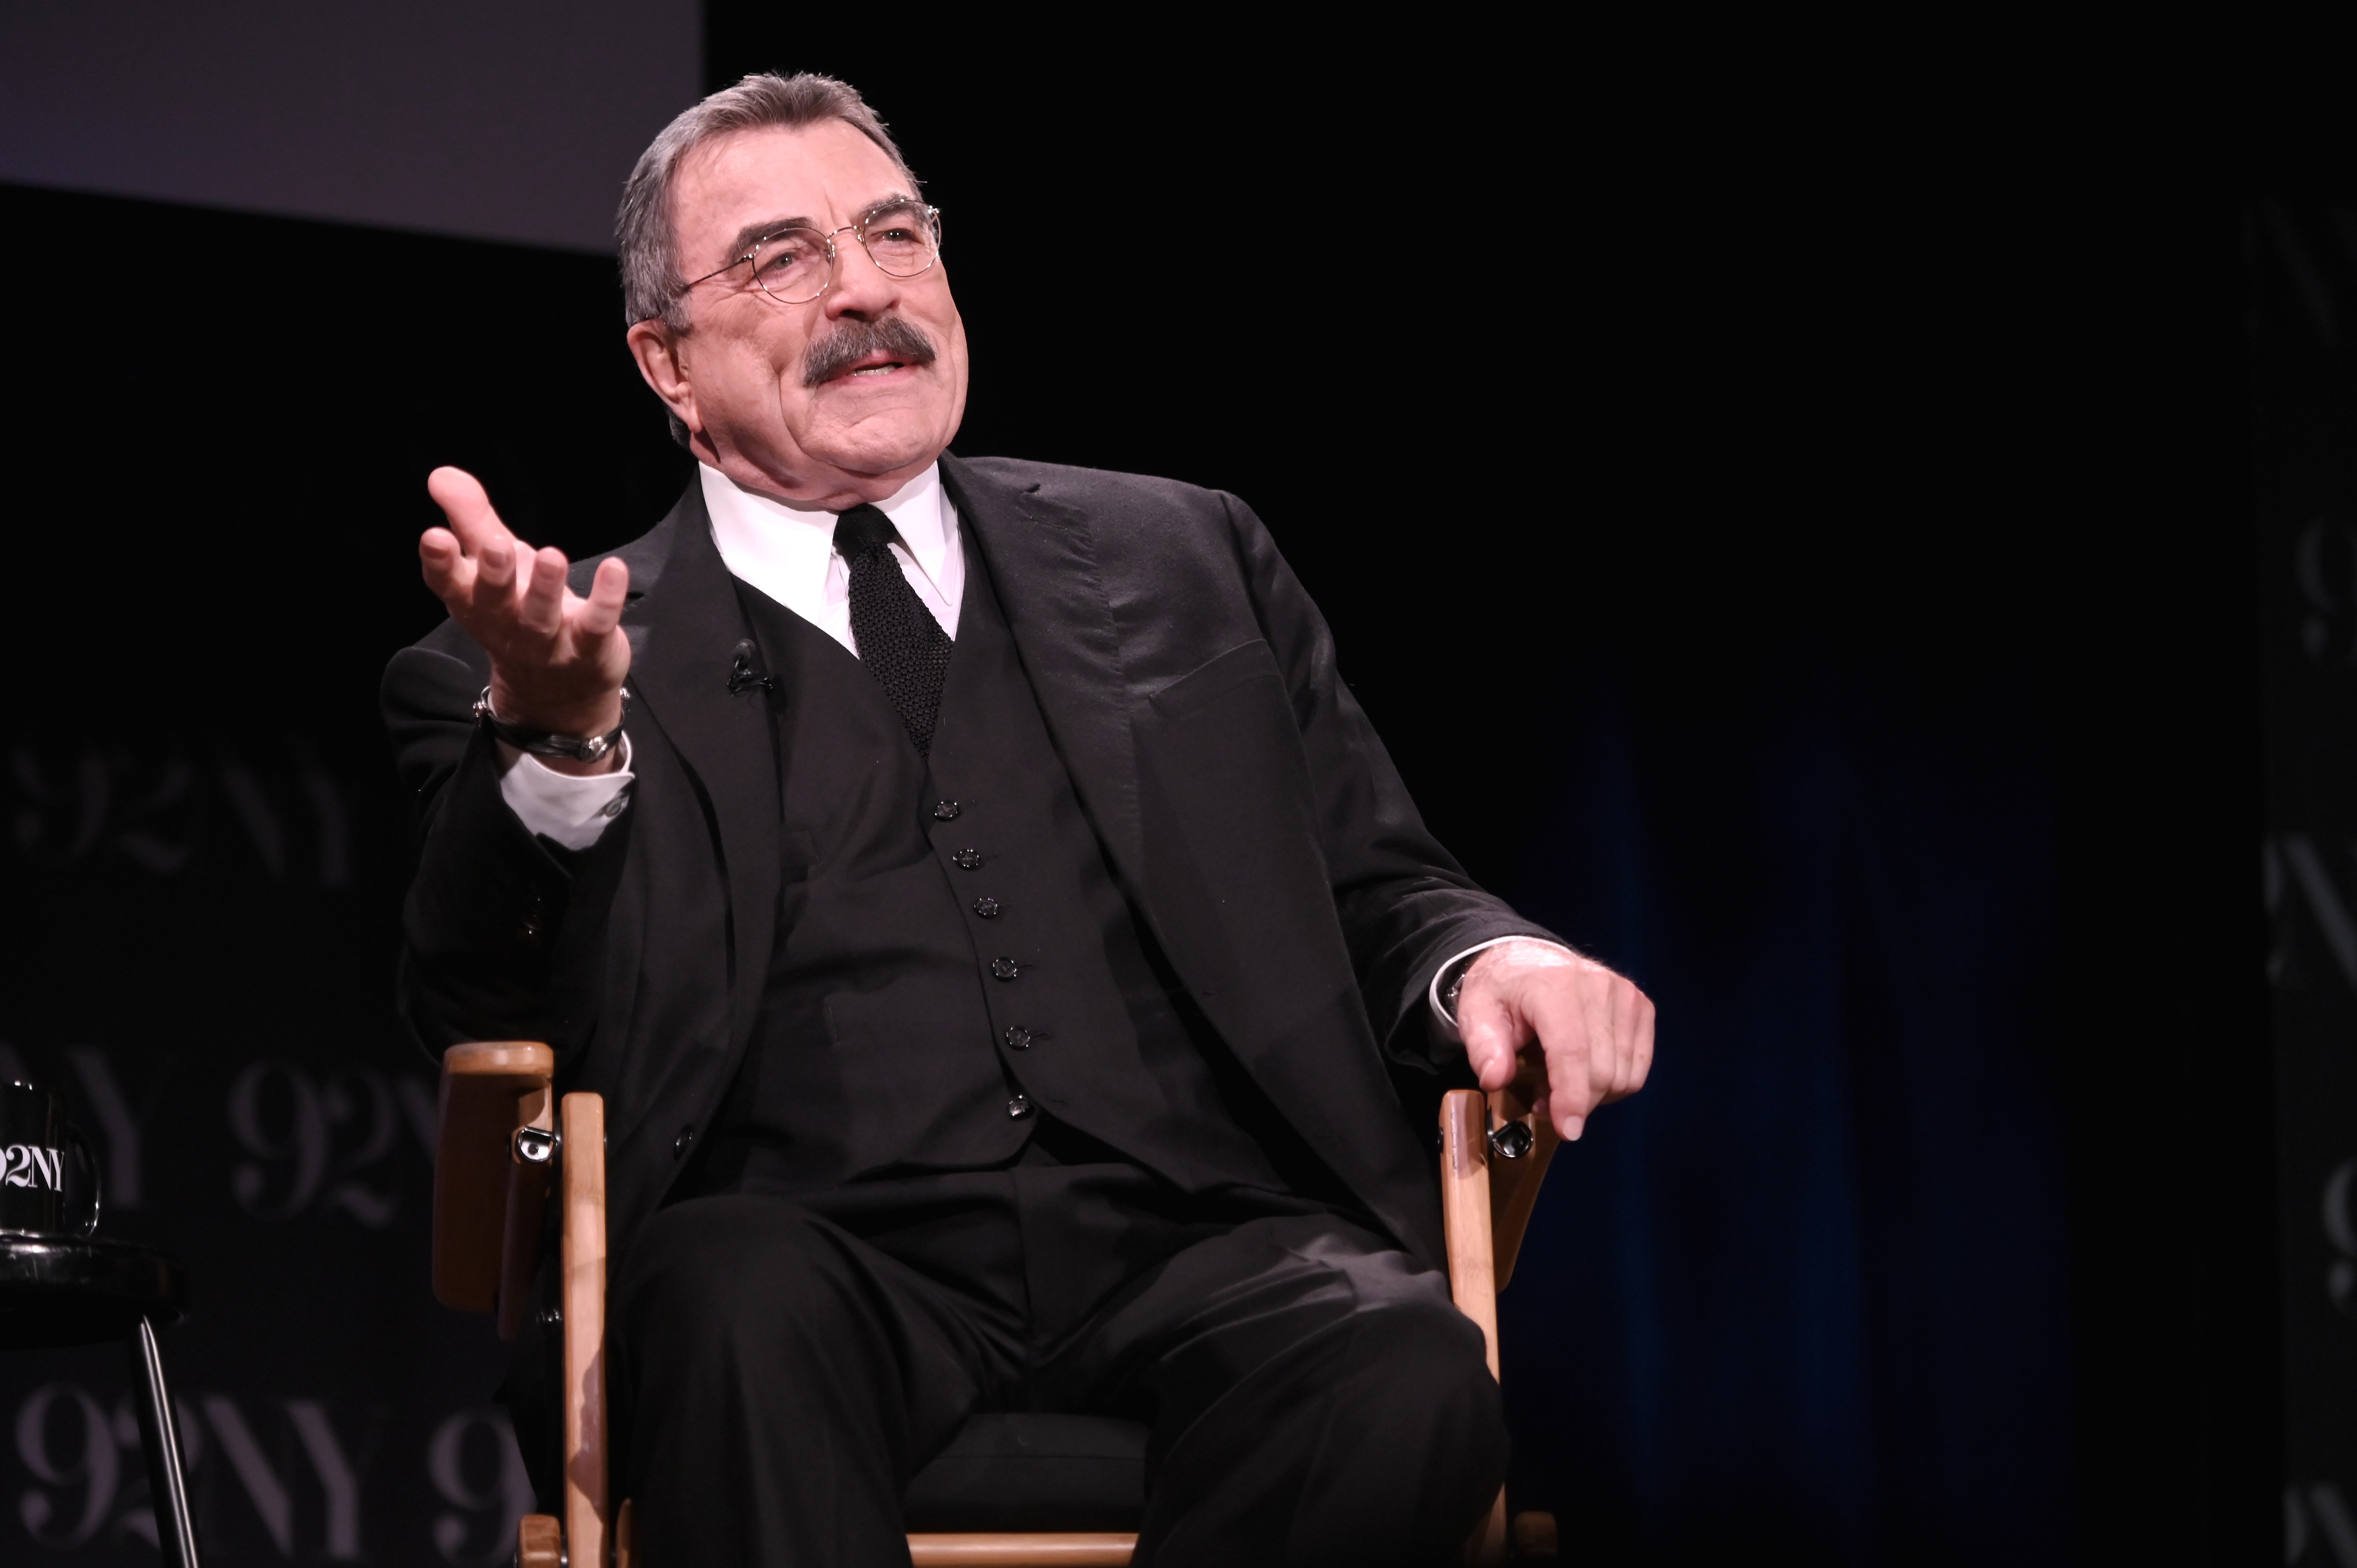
x,y
1798,539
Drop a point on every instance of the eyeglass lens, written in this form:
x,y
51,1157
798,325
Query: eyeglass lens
x,y
903,240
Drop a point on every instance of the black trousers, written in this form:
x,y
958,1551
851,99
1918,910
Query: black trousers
x,y
782,1366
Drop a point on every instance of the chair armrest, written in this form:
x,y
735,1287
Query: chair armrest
x,y
488,1092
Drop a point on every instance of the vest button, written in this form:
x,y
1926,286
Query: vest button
x,y
1020,1107
685,1142
1018,1037
987,908
968,859
945,810
1005,968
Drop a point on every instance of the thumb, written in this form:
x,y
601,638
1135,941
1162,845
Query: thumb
x,y
467,505
1491,1037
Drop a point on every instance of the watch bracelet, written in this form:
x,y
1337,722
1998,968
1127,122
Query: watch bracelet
x,y
548,743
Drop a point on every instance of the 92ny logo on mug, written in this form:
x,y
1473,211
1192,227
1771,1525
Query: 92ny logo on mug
x,y
28,1164
34,1134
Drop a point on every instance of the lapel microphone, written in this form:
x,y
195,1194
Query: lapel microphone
x,y
744,672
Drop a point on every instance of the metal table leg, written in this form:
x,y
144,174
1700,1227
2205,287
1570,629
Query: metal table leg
x,y
160,1437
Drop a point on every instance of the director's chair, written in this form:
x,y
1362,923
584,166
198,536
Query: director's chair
x,y
506,1147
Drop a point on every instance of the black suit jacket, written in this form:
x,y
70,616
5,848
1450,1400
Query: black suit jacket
x,y
1189,684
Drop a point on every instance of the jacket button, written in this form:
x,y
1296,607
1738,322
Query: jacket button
x,y
945,810
968,859
987,908
685,1142
1005,968
1020,1107
1018,1037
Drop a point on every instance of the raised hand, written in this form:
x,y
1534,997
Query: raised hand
x,y
557,660
1594,1028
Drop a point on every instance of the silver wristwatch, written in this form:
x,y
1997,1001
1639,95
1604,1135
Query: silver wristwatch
x,y
548,743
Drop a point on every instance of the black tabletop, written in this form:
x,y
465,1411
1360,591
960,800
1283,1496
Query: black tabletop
x,y
62,1292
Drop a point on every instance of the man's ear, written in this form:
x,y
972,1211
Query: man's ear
x,y
657,347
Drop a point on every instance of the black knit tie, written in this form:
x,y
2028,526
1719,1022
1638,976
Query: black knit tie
x,y
898,640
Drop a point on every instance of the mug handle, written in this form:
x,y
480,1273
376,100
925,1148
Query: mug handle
x,y
90,1162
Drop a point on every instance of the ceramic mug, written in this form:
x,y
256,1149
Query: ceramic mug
x,y
34,1137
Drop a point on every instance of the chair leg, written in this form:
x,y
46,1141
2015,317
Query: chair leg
x,y
1473,1282
582,1148
159,1439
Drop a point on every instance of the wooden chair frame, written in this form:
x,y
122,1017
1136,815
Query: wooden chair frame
x,y
506,1147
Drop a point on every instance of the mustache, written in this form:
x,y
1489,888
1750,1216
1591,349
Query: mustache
x,y
854,341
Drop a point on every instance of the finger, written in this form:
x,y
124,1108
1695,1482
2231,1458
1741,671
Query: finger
x,y
542,608
1642,1062
495,575
1625,997
465,502
1563,1034
602,611
1492,1035
447,571
1596,1012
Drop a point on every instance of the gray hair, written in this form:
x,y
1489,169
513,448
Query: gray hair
x,y
643,231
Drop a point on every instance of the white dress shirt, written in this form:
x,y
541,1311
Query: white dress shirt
x,y
788,554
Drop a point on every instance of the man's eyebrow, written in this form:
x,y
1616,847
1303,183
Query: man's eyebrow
x,y
754,233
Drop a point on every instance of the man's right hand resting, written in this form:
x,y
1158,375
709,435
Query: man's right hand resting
x,y
558,660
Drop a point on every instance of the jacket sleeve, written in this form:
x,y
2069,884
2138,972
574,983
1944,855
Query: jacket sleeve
x,y
1406,905
502,930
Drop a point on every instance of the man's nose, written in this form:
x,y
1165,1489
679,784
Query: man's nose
x,y
859,287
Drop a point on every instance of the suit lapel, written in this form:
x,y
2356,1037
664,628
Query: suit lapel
x,y
684,633
1042,559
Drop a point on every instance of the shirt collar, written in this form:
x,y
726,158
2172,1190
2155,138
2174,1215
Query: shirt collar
x,y
744,523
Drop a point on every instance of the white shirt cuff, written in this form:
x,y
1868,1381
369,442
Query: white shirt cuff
x,y
1444,1021
573,809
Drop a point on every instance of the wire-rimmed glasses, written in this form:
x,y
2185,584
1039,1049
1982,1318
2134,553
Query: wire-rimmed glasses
x,y
794,265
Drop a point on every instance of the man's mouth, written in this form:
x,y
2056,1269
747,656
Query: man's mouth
x,y
877,365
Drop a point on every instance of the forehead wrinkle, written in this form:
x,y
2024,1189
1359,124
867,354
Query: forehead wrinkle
x,y
719,159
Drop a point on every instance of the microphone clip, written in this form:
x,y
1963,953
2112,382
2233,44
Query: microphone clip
x,y
745,672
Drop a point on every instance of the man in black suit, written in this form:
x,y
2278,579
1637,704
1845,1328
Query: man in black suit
x,y
1001,940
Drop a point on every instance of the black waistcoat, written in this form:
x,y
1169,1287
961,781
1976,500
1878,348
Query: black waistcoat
x,y
955,964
